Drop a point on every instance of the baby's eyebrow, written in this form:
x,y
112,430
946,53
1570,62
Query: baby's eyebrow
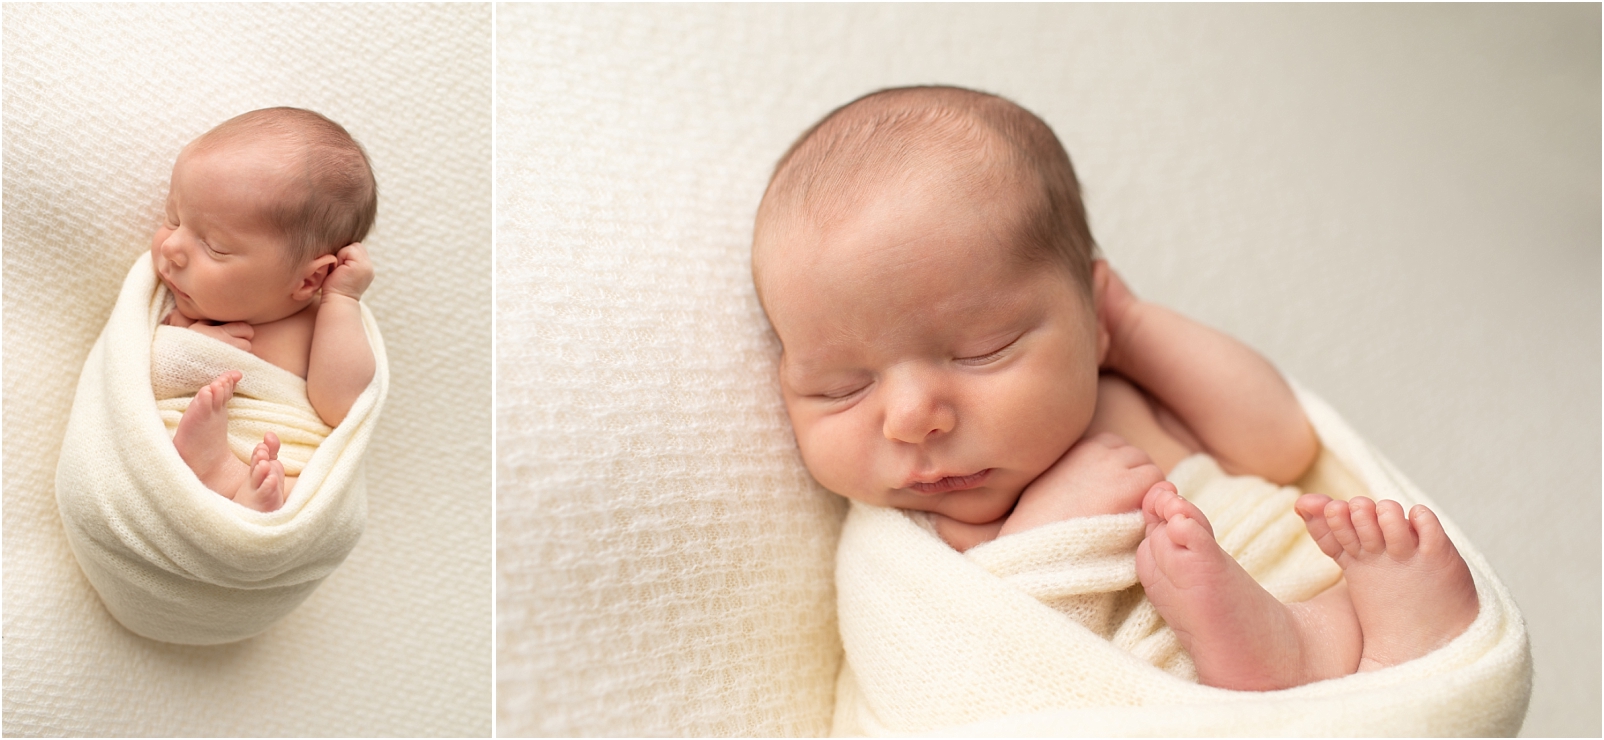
x,y
791,369
794,371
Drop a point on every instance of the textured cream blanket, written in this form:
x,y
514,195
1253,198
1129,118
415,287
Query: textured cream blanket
x,y
1047,632
171,559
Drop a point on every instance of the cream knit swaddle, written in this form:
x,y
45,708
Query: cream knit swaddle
x,y
267,398
171,559
1047,633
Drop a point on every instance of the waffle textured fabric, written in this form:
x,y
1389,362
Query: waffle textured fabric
x,y
98,101
664,562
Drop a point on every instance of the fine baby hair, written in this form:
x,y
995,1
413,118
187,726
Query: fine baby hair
x,y
892,135
339,200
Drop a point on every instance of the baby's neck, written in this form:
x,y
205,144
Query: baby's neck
x,y
287,342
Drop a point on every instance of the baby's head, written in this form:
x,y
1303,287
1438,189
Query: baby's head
x,y
924,258
256,211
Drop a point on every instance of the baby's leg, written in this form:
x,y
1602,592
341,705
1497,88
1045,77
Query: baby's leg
x,y
1411,590
202,437
202,442
1240,637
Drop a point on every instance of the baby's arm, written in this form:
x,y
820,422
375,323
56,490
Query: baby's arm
x,y
341,362
1236,405
236,333
1100,474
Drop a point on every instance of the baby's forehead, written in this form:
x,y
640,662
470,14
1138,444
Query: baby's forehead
x,y
257,176
247,155
997,209
241,142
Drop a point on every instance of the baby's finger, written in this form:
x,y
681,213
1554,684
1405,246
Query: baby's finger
x,y
1109,440
1147,476
1133,456
353,251
238,329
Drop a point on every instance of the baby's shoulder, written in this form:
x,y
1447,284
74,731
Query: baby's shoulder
x,y
287,342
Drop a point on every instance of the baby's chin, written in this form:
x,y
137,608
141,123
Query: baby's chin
x,y
189,314
188,310
968,507
985,516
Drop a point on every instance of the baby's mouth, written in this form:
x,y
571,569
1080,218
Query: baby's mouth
x,y
174,289
950,483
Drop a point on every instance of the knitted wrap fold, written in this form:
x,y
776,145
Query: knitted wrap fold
x,y
1047,632
171,559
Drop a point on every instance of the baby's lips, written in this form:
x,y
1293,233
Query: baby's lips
x,y
950,483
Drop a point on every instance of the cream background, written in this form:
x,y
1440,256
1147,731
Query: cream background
x,y
1399,205
98,101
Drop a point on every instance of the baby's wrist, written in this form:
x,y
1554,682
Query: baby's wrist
x,y
339,296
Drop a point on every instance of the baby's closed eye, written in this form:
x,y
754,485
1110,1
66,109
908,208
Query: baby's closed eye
x,y
988,357
841,393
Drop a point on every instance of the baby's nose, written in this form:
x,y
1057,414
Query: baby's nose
x,y
915,413
173,250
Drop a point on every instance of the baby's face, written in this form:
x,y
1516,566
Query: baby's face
x,y
923,366
216,249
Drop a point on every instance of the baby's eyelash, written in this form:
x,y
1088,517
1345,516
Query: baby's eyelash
x,y
840,395
989,356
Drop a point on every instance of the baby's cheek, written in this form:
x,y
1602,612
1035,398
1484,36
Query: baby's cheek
x,y
834,458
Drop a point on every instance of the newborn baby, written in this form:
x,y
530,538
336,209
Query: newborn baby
x,y
260,249
950,345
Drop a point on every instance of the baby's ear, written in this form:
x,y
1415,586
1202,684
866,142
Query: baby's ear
x,y
313,275
1099,284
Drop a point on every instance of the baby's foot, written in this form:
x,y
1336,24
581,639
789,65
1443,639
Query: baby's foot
x,y
1411,590
202,436
265,490
1240,637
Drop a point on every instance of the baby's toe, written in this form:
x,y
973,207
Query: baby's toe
x,y
1314,518
1339,520
1152,504
1363,512
1311,505
1161,548
1178,508
1395,528
268,497
220,390
1191,534
1433,539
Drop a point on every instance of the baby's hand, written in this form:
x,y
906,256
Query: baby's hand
x,y
1113,306
352,274
237,333
1102,474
